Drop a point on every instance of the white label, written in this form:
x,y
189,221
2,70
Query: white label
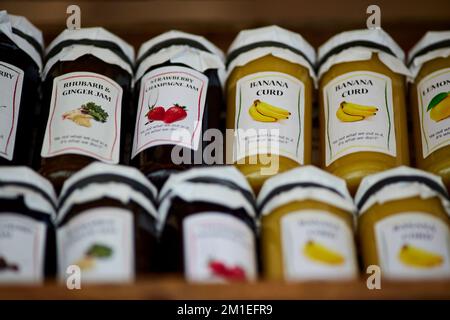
x,y
171,105
99,241
433,93
11,79
270,114
413,245
85,114
359,115
317,245
22,248
218,248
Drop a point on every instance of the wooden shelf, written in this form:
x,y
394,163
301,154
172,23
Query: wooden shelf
x,y
176,288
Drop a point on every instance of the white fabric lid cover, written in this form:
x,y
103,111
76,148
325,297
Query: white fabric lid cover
x,y
428,42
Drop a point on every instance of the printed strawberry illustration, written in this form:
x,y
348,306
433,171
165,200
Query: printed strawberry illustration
x,y
175,113
236,273
219,269
156,113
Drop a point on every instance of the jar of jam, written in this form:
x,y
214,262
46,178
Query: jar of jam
x,y
208,225
362,113
106,224
27,238
21,48
87,87
307,227
404,224
179,102
269,94
430,99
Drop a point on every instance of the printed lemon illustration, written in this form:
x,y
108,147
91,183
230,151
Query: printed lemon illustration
x,y
419,258
265,112
96,251
83,115
351,112
321,254
439,107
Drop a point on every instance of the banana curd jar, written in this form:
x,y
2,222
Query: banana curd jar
x,y
307,227
430,99
269,97
362,105
403,224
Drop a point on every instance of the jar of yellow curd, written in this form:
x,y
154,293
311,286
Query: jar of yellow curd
x,y
403,224
307,226
362,105
430,101
269,97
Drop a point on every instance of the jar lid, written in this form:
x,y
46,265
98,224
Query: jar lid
x,y
72,44
37,192
221,185
99,180
399,183
304,183
180,47
24,34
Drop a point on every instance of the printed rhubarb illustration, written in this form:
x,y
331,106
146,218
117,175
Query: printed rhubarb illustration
x,y
95,251
7,266
83,115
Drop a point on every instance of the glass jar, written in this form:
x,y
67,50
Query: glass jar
x,y
179,101
106,224
21,48
208,225
404,225
307,227
87,83
362,113
27,237
269,94
430,99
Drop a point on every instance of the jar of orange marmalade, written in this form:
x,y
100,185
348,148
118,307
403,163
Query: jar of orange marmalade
x,y
430,99
362,114
404,225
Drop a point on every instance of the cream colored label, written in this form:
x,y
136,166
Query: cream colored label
x,y
413,245
433,93
317,245
359,115
270,115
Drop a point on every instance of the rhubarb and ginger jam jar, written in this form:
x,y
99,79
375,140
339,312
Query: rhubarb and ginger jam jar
x,y
87,105
362,110
106,224
178,103
208,225
269,92
429,63
27,237
21,48
404,224
307,233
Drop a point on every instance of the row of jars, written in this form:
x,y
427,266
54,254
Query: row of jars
x,y
112,224
100,103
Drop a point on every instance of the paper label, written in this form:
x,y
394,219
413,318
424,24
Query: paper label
x,y
413,245
85,114
218,248
270,115
359,115
11,80
433,93
171,105
317,245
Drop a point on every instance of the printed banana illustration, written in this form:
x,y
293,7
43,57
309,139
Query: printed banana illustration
x,y
319,253
270,110
351,112
420,258
341,115
441,111
257,116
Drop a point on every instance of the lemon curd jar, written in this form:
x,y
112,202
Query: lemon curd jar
x,y
179,100
106,224
208,228
362,105
307,227
86,106
269,93
430,99
403,224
